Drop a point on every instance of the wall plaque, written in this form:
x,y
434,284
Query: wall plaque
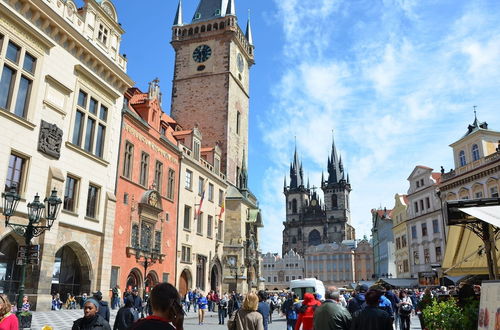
x,y
50,139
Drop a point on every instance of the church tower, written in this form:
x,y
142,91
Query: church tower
x,y
337,189
213,57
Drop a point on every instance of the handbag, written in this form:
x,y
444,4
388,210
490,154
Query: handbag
x,y
231,323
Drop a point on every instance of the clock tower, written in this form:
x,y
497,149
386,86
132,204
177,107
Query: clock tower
x,y
213,58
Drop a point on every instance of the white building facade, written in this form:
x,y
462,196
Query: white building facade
x,y
278,272
61,95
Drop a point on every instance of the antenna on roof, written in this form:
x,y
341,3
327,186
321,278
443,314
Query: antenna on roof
x,y
475,112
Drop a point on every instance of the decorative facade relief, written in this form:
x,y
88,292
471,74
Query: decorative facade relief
x,y
50,139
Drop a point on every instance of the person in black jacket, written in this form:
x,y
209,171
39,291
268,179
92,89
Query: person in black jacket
x,y
371,317
103,309
91,320
167,310
126,316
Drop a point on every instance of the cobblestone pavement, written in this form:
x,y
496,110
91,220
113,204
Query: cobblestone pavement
x,y
61,320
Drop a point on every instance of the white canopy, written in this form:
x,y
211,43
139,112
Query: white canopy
x,y
489,214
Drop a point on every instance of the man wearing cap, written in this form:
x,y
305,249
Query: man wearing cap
x,y
91,319
103,308
356,302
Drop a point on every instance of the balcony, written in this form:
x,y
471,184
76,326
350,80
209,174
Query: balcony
x,y
471,166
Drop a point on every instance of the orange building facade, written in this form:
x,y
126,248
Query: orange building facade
x,y
144,248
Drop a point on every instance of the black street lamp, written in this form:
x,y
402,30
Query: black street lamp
x,y
236,271
146,257
37,210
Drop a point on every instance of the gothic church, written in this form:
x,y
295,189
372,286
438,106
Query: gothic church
x,y
309,221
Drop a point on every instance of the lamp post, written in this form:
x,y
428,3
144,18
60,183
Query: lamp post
x,y
36,209
146,257
236,271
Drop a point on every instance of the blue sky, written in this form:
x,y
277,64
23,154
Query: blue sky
x,y
395,79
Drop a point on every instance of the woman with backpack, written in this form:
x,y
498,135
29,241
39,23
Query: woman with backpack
x,y
306,313
405,307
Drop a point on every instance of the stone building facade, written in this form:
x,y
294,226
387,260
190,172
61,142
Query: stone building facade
x,y
211,91
363,261
476,175
400,233
425,223
62,85
147,194
309,221
201,220
383,243
279,271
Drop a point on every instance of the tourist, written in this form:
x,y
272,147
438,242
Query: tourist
x,y
8,320
82,301
247,318
289,310
126,315
187,302
202,308
70,302
371,317
306,313
192,300
263,308
355,303
91,320
167,310
405,307
331,315
103,309
137,302
56,302
222,308
26,305
115,298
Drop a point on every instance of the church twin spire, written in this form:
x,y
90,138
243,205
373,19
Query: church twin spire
x,y
335,167
211,9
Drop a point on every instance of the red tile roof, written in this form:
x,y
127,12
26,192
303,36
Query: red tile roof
x,y
184,132
138,98
424,167
436,176
207,149
405,198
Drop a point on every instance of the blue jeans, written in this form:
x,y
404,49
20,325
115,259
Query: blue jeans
x,y
290,324
195,306
222,315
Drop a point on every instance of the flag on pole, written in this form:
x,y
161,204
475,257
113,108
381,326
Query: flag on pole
x,y
202,198
222,207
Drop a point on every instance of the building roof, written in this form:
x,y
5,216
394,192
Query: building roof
x,y
184,132
436,176
210,9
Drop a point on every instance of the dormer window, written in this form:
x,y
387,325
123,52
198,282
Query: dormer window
x,y
197,16
217,12
475,152
163,130
461,157
103,34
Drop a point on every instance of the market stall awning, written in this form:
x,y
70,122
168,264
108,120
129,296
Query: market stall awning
x,y
401,282
490,214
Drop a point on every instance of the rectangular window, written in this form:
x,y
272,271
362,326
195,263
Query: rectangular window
x,y
163,131
82,99
187,217
421,205
287,278
89,135
221,197
415,204
269,279
427,256
23,94
13,52
403,241
157,247
186,254
92,201
209,225
438,253
99,143
114,276
418,184
29,63
188,184
424,229
199,224
220,230
238,122
427,202
127,159
6,87
406,266
103,114
210,192
166,277
78,130
102,35
201,184
494,191
70,194
398,243
413,232
435,226
416,259
143,178
15,173
171,184
196,150
93,106
158,175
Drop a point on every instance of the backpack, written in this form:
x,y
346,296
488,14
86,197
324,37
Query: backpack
x,y
405,309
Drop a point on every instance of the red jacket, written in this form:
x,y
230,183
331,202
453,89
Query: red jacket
x,y
306,319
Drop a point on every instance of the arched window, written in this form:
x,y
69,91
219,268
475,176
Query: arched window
x,y
196,30
135,235
209,27
334,202
314,238
294,206
294,240
203,28
190,32
475,153
461,156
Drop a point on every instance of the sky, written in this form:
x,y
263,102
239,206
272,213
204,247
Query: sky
x,y
394,80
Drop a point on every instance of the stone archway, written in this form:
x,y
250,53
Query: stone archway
x,y
9,270
72,271
185,282
216,274
151,281
134,280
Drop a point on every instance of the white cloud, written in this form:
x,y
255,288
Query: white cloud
x,y
397,87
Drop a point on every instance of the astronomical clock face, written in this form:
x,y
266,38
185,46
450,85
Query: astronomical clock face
x,y
202,53
314,202
153,200
241,63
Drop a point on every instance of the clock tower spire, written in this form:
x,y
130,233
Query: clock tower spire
x,y
213,57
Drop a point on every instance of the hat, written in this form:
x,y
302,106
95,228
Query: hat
x,y
362,288
93,301
97,295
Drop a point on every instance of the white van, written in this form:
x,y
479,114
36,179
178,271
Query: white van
x,y
307,285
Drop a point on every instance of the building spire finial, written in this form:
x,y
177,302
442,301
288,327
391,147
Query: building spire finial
x,y
248,33
178,15
231,9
